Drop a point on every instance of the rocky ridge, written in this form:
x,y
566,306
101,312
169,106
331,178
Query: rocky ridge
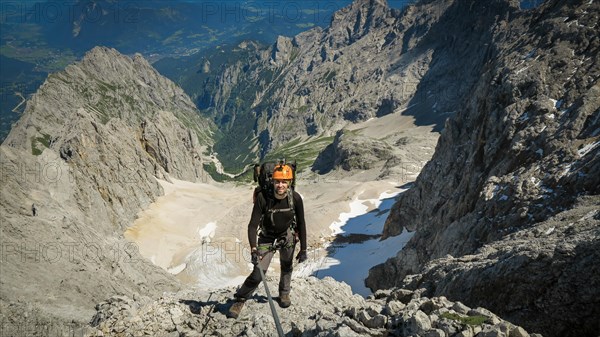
x,y
76,169
321,308
521,154
370,62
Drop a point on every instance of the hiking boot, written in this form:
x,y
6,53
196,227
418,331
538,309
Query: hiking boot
x,y
235,309
284,300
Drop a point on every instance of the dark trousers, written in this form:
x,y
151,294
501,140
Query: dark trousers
x,y
266,249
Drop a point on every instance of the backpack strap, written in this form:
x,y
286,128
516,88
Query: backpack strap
x,y
270,211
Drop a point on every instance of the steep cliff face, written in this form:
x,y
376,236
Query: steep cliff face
x,y
370,62
77,168
522,149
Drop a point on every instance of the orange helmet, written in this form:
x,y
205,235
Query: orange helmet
x,y
283,172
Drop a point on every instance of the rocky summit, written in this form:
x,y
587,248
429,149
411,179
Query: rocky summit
x,y
506,212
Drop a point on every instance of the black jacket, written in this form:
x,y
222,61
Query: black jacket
x,y
282,220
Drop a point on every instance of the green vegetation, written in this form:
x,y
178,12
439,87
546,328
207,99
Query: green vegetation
x,y
328,76
303,109
303,152
44,141
469,320
212,171
236,142
246,178
305,25
105,87
294,54
202,128
44,58
175,37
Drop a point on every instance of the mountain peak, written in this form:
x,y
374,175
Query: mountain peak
x,y
357,19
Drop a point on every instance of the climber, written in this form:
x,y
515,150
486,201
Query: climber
x,y
278,221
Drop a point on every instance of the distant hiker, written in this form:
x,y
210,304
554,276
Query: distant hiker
x,y
33,210
278,221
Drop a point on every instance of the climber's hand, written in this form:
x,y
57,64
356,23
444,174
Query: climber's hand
x,y
301,257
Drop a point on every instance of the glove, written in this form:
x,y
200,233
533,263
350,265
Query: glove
x,y
255,258
301,257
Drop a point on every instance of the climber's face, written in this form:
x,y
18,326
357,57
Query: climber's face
x,y
281,187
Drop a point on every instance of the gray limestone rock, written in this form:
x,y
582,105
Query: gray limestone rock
x,y
514,170
77,168
310,314
350,151
371,61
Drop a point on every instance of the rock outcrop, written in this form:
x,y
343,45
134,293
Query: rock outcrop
x,y
352,152
519,159
76,169
550,268
320,308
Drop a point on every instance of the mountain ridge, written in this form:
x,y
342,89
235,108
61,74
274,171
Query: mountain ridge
x,y
371,61
521,153
77,167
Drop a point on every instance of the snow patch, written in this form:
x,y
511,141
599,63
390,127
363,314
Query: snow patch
x,y
566,169
556,103
350,262
522,69
542,129
588,215
208,231
357,207
524,117
535,181
213,267
549,231
586,149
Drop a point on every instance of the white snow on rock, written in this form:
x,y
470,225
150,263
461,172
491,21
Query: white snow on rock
x,y
586,149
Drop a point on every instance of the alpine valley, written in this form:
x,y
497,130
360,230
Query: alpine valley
x,y
485,113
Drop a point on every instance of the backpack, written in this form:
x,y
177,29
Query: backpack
x,y
263,174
